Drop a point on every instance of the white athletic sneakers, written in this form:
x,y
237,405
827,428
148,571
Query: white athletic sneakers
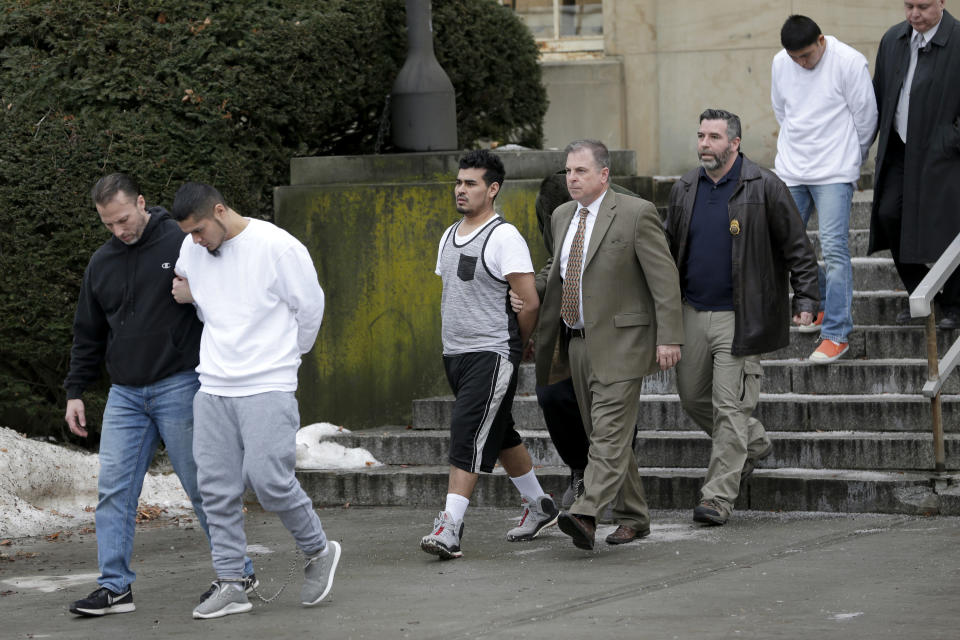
x,y
444,540
538,514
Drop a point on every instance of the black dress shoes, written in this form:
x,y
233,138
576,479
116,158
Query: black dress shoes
x,y
949,321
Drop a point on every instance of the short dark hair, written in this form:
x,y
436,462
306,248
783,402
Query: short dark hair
x,y
798,32
109,186
552,193
599,150
732,120
492,166
195,199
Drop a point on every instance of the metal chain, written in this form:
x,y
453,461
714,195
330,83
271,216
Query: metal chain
x,y
293,568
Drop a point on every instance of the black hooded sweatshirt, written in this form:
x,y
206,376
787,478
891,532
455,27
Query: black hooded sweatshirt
x,y
127,316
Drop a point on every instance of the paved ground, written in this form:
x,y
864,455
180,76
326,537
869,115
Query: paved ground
x,y
761,576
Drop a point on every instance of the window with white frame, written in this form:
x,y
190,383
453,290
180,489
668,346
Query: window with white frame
x,y
562,25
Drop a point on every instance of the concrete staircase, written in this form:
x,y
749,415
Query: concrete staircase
x,y
853,436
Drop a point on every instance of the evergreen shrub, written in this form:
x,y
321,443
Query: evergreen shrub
x,y
217,91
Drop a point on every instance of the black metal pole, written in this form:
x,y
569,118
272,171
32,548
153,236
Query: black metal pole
x,y
424,108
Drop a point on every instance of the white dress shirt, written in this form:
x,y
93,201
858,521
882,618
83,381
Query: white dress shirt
x,y
593,208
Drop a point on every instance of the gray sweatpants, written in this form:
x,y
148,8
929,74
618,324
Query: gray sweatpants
x,y
250,442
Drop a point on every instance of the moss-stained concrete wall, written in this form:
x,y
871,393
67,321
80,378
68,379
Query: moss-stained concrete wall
x,y
374,242
375,248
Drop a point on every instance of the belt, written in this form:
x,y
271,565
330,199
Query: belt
x,y
574,333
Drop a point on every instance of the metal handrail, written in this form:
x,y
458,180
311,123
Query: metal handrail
x,y
921,306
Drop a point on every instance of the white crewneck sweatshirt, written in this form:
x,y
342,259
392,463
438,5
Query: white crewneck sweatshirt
x,y
827,116
261,307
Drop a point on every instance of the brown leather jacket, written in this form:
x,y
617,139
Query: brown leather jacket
x,y
769,244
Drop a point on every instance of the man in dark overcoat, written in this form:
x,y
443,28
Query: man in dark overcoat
x,y
916,206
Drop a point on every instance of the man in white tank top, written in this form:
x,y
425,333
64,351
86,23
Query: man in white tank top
x,y
480,258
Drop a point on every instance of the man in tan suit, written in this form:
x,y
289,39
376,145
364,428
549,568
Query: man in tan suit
x,y
611,296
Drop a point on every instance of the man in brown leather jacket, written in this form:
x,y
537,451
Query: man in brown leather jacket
x,y
735,234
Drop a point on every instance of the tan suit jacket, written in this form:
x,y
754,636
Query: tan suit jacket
x,y
631,291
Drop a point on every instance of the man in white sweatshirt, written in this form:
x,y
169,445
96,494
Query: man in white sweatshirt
x,y
823,98
255,289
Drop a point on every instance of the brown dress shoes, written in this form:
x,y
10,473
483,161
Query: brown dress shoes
x,y
625,534
580,528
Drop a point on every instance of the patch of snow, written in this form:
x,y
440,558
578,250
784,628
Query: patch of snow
x,y
846,616
313,453
526,552
258,550
45,487
676,532
49,584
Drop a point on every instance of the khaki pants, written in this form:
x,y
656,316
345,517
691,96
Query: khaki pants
x,y
609,413
720,391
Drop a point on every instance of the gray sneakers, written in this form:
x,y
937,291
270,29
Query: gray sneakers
x,y
538,514
249,583
228,597
318,575
444,540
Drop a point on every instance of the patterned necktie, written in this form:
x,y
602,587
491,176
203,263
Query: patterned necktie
x,y
570,300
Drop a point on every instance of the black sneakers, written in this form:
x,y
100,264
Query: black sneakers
x,y
103,602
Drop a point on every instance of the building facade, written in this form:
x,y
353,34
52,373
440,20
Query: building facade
x,y
637,73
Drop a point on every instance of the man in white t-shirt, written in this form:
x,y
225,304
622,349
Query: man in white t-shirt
x,y
255,289
823,98
481,257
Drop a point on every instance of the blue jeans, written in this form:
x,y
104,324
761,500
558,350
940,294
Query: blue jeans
x,y
832,202
134,422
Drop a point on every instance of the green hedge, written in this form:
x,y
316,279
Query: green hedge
x,y
225,92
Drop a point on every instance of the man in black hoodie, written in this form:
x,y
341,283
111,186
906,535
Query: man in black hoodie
x,y
127,318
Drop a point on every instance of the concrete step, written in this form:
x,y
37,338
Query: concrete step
x,y
878,307
822,450
870,342
797,412
799,375
779,412
866,450
850,377
833,490
874,274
